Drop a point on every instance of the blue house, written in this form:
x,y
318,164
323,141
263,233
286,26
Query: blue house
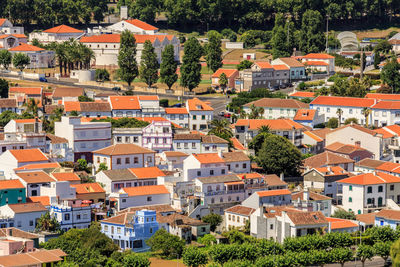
x,y
130,230
388,217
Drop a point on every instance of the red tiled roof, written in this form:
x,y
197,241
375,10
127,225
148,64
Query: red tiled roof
x,y
307,218
387,105
252,175
147,172
277,103
394,128
123,149
39,166
35,177
383,96
26,47
14,35
44,200
366,218
125,102
389,214
175,154
315,63
63,29
280,67
384,133
303,94
10,184
344,148
2,21
196,104
146,190
141,24
337,223
26,90
370,179
318,56
334,170
228,72
102,38
241,210
208,158
324,159
66,176
88,188
263,65
27,207
304,115
343,101
313,136
278,192
176,111
148,97
72,105
274,124
236,144
28,155
312,196
291,62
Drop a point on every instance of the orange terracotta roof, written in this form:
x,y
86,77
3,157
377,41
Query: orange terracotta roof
x,y
44,200
388,166
324,159
26,90
291,62
394,128
389,214
39,166
2,21
102,38
334,170
252,175
175,154
357,127
370,179
14,35
141,24
241,210
318,56
366,218
315,63
305,115
383,96
141,38
88,188
274,124
123,149
263,65
63,29
148,97
337,223
25,120
27,207
176,111
35,177
208,158
280,67
303,94
124,102
196,104
278,192
36,258
72,106
28,155
11,184
387,105
228,72
66,176
344,148
312,196
313,136
147,172
385,134
234,182
236,144
61,92
26,48
343,101
145,190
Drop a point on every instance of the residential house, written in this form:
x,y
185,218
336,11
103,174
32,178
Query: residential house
x,y
70,177
130,230
387,217
366,220
199,143
173,158
260,75
353,152
246,129
24,215
33,181
141,195
337,225
88,109
324,179
9,104
297,69
237,162
328,159
90,191
125,106
34,259
204,165
39,57
312,143
72,214
382,96
157,136
237,217
84,137
367,165
311,201
179,116
385,112
308,117
61,94
58,34
357,135
13,241
281,75
278,197
369,192
133,25
390,136
114,180
276,108
6,27
12,192
319,62
127,136
231,75
58,148
8,41
200,114
122,156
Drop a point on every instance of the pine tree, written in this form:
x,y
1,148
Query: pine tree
x,y
214,52
191,68
168,66
128,69
149,65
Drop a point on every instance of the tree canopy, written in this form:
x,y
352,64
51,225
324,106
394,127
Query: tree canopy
x,y
191,68
128,69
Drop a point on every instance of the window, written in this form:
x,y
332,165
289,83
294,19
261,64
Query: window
x,y
271,226
194,117
185,145
207,148
193,145
78,216
198,173
105,227
223,171
203,117
149,159
118,161
127,161
369,189
178,145
135,139
350,188
380,188
244,165
127,139
135,160
211,172
66,217
124,200
391,187
98,159
351,111
328,109
149,198
350,199
31,223
151,230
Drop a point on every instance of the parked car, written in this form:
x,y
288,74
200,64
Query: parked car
x,y
222,114
43,80
117,89
227,115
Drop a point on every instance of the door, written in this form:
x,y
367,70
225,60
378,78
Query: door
x,y
380,200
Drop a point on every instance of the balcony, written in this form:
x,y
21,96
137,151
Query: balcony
x,y
299,137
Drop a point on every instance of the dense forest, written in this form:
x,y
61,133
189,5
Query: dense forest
x,y
239,15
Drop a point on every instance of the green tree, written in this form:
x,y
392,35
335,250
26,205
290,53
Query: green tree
x,y
390,75
245,64
4,88
312,38
221,128
6,116
148,71
351,120
342,214
214,52
135,260
365,252
48,223
377,60
208,240
381,234
213,219
383,47
169,245
194,257
191,68
145,10
256,112
102,75
366,112
395,253
128,69
341,255
258,140
5,58
168,66
278,155
20,61
32,106
223,82
85,98
382,249
332,123
102,167
82,165
74,113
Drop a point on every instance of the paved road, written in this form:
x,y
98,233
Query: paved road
x,y
376,262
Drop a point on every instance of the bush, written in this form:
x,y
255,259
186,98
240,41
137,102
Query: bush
x,y
169,245
193,257
213,219
102,75
332,123
164,103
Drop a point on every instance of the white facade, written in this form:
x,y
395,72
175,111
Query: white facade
x,y
126,25
198,120
72,214
7,28
357,198
192,169
124,161
125,201
25,221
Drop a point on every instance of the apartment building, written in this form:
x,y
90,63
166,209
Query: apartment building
x,y
276,108
200,114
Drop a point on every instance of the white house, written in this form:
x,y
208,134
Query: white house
x,y
204,165
199,143
141,195
58,148
88,109
34,181
39,57
237,216
56,34
179,116
237,162
275,108
125,106
6,27
133,25
122,156
84,137
200,114
25,215
277,197
8,41
319,62
385,113
72,214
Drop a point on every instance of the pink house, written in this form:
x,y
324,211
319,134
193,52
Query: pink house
x,y
157,136
231,74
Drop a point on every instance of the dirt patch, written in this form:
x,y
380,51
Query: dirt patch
x,y
237,55
155,262
375,33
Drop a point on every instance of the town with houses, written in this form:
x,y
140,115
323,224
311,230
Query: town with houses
x,y
203,169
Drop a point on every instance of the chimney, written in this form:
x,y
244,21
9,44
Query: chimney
x,y
170,166
306,194
282,176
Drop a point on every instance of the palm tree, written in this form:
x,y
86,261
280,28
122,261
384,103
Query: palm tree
x,y
264,129
61,57
221,128
242,114
256,112
339,112
366,112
